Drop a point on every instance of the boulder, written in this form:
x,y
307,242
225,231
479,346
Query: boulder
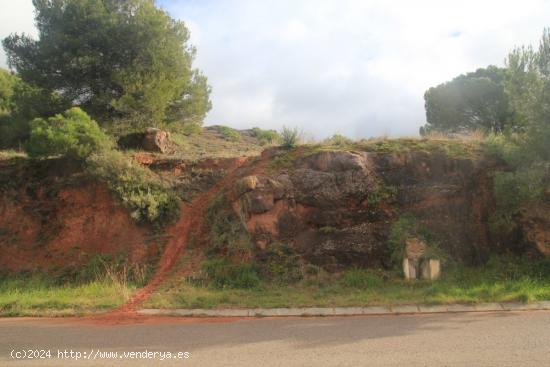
x,y
246,184
156,140
333,162
414,248
257,203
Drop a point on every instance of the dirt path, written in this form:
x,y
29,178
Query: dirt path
x,y
190,222
190,225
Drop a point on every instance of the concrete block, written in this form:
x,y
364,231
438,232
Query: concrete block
x,y
489,307
404,309
515,306
376,310
280,312
433,308
318,311
229,312
545,305
409,269
461,308
431,269
348,310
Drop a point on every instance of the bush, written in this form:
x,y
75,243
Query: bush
x,y
228,235
290,137
266,136
73,134
526,180
281,264
338,140
519,188
229,133
360,279
190,128
139,189
222,274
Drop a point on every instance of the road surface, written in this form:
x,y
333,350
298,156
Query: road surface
x,y
467,339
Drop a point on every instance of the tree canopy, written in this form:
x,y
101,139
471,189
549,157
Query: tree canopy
x,y
119,60
470,101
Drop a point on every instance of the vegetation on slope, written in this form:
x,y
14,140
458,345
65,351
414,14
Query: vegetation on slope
x,y
503,279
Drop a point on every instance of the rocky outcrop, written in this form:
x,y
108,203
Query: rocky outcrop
x,y
156,140
336,207
151,140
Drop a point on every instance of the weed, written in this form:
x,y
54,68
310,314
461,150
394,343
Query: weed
x,y
280,263
290,137
360,279
228,133
222,274
266,137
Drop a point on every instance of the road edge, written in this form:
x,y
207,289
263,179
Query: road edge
x,y
349,311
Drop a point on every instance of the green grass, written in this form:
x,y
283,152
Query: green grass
x,y
228,133
492,283
37,296
453,148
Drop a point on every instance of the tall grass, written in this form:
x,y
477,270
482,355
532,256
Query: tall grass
x,y
38,296
102,283
502,279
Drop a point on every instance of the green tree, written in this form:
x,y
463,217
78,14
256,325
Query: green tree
x,y
471,101
526,148
73,134
7,84
19,104
120,60
528,85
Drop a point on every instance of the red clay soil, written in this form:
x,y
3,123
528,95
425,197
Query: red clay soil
x,y
190,225
81,221
190,222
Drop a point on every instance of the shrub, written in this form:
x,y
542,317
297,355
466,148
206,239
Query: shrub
x,y
381,194
223,274
290,137
73,134
526,180
228,235
360,279
266,136
229,133
280,263
190,128
338,140
139,189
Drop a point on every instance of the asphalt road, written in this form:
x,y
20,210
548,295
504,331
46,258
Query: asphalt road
x,y
475,339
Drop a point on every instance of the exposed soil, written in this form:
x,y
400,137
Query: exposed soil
x,y
40,230
191,223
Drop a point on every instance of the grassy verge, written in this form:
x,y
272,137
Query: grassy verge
x,y
493,283
38,296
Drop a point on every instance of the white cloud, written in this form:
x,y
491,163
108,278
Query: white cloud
x,y
358,67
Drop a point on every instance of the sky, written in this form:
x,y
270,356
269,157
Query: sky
x,y
354,67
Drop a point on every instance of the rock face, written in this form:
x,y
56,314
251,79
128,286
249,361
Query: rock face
x,y
336,208
156,140
414,248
